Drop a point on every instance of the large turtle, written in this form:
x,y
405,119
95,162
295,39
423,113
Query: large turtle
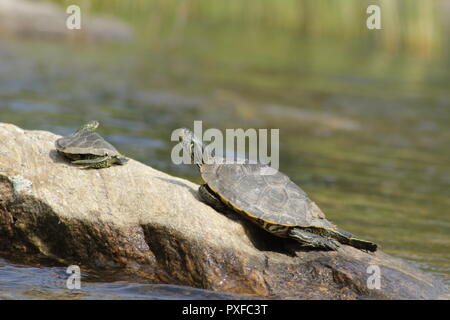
x,y
86,147
273,201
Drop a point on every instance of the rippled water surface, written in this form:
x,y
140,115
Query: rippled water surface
x,y
366,135
30,283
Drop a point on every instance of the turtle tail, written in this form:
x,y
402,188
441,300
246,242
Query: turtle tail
x,y
347,238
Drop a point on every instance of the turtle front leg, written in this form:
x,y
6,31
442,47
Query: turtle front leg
x,y
209,198
96,163
309,239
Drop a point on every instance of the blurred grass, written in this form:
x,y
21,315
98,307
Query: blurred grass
x,y
414,26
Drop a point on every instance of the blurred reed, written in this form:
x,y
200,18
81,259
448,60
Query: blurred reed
x,y
414,26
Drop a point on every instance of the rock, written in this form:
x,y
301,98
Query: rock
x,y
151,224
24,18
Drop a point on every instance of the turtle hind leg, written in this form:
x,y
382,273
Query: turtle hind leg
x,y
347,238
96,163
310,239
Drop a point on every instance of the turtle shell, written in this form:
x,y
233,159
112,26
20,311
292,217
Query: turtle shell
x,y
85,142
272,198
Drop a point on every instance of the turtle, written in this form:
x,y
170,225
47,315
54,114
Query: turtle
x,y
274,202
86,147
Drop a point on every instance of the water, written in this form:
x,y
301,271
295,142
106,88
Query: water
x,y
33,283
365,133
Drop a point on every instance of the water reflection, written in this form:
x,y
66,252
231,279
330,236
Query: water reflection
x,y
24,282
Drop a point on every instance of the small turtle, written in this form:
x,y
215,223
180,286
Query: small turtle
x,y
273,201
87,147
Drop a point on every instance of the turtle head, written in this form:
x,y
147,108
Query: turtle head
x,y
90,126
192,146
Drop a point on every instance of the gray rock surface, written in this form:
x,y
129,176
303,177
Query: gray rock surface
x,y
151,224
